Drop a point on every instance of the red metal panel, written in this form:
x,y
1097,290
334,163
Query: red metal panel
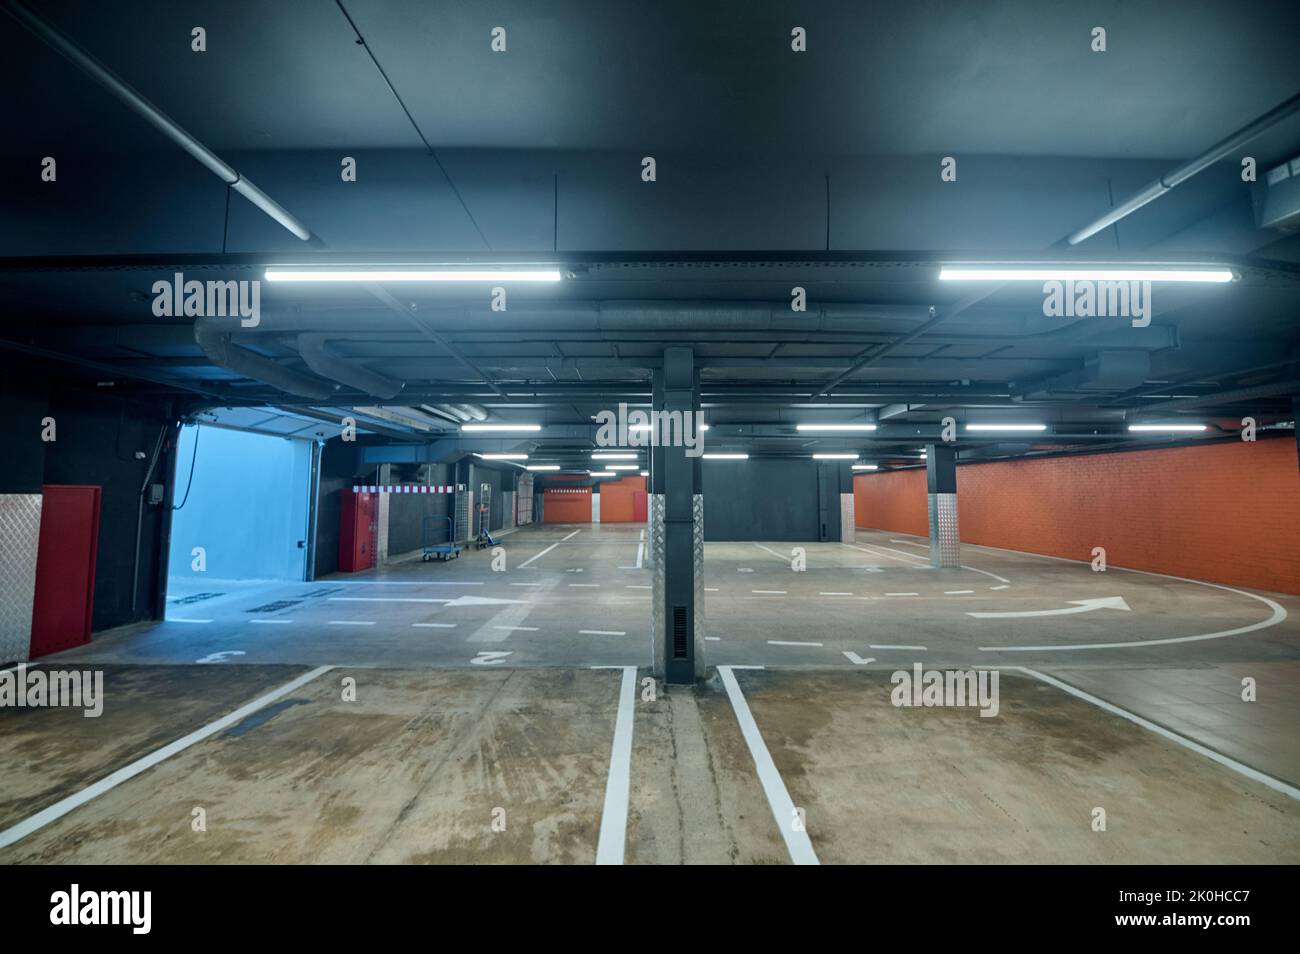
x,y
65,568
639,500
356,531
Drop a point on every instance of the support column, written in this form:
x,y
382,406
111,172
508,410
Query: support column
x,y
941,483
678,595
655,483
848,510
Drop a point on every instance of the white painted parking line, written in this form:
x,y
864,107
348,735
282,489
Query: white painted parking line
x,y
182,619
780,556
389,599
352,622
797,842
713,639
270,622
538,556
638,586
1000,579
769,592
525,584
640,554
834,594
584,584
902,594
526,629
572,535
62,807
911,559
1276,784
791,642
601,632
1002,587
957,592
710,589
435,625
911,543
613,816
895,646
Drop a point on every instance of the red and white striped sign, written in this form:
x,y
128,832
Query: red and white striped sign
x,y
402,489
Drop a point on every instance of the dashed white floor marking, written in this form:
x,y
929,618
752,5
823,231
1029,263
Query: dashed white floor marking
x,y
62,807
902,594
769,592
911,559
714,639
601,632
613,817
895,646
584,584
834,594
352,622
525,584
270,622
1276,784
638,586
791,642
1000,579
434,625
183,619
957,592
526,629
1002,587
797,842
708,589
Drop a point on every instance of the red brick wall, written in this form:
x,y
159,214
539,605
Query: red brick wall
x,y
1227,513
616,505
894,500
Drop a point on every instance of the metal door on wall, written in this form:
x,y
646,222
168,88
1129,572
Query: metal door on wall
x,y
639,507
65,569
357,529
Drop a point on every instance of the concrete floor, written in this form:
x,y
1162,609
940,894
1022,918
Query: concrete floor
x,y
477,702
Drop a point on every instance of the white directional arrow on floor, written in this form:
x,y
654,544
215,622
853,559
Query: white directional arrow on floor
x,y
858,660
1076,606
221,656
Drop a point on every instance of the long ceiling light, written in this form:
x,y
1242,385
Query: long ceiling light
x,y
866,467
726,457
1166,428
502,456
543,466
1062,273
485,428
835,427
602,473
835,456
624,466
1006,427
448,273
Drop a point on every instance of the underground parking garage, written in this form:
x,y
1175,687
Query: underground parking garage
x,y
433,442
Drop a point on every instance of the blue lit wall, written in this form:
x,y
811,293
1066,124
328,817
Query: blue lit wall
x,y
247,505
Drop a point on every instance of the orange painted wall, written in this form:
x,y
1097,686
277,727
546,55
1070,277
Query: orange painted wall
x,y
616,499
566,506
1226,513
894,500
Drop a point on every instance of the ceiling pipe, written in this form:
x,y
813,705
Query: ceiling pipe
x,y
105,77
216,344
1220,150
320,359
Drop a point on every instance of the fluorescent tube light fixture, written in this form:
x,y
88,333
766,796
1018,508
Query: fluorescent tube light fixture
x,y
599,455
489,428
1081,273
726,457
624,466
866,467
502,456
835,427
425,273
602,473
835,456
1006,427
1166,428
543,466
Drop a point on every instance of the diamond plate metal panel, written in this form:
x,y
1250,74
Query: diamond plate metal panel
x,y
697,525
945,539
848,518
655,552
20,535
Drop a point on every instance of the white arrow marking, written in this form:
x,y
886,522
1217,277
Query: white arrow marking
x,y
488,658
858,660
1077,606
220,657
